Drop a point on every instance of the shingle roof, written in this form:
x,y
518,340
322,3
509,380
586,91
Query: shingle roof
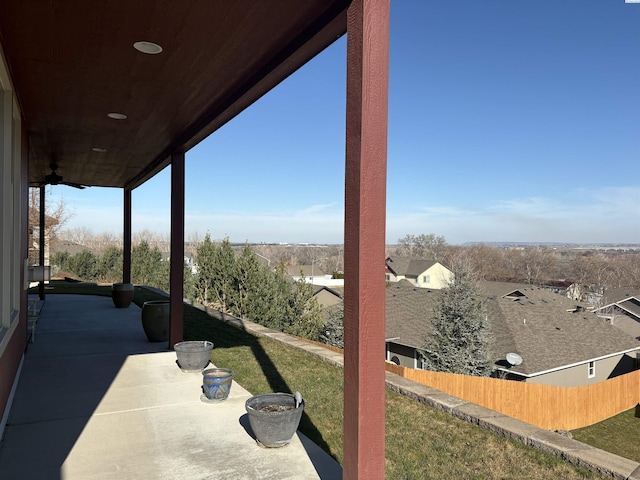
x,y
549,332
409,266
409,310
631,305
613,295
537,326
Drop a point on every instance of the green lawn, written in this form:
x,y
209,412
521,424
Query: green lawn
x,y
619,435
421,442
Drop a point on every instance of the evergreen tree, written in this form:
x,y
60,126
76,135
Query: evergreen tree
x,y
109,267
224,276
203,281
249,280
304,317
333,331
269,303
459,342
148,267
83,264
61,260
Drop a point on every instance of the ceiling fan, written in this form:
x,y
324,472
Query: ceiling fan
x,y
54,179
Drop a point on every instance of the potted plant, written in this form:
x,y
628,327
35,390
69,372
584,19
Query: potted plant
x,y
122,294
274,417
216,384
194,355
155,320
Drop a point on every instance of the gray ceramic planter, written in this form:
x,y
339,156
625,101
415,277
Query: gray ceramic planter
x,y
274,418
193,355
216,384
122,294
155,320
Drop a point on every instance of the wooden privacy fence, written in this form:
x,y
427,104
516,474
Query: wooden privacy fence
x,y
545,406
548,407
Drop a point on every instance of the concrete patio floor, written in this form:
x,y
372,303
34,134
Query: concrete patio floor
x,y
96,400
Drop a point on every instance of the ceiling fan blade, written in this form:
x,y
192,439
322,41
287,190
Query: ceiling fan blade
x,y
74,185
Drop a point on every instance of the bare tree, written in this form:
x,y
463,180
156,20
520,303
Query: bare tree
x,y
56,215
423,245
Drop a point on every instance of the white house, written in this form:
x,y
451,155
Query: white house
x,y
418,271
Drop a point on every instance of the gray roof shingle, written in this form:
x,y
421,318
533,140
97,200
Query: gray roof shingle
x,y
409,267
544,328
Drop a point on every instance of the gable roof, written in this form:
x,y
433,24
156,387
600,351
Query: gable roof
x,y
544,328
409,267
336,291
630,306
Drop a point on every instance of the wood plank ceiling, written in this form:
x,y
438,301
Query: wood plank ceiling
x,y
72,62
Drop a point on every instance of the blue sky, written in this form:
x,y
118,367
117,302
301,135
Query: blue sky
x,y
508,121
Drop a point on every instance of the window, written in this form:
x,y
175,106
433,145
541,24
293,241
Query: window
x,y
425,279
388,277
591,370
419,361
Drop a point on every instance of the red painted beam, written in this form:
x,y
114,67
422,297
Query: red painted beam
x,y
126,238
42,243
365,216
176,281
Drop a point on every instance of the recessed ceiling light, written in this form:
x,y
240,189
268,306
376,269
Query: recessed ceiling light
x,y
99,149
116,116
148,47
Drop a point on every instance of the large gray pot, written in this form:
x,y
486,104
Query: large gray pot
x,y
193,355
274,418
155,320
122,294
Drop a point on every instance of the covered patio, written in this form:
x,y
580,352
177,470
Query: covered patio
x,y
109,94
97,400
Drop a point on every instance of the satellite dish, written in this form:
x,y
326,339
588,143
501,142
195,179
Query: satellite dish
x,y
514,359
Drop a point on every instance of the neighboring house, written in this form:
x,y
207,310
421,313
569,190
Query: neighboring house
x,y
418,271
582,293
314,275
559,341
328,297
624,314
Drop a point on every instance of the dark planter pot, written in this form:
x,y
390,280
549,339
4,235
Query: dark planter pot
x,y
274,418
216,384
122,294
193,356
155,320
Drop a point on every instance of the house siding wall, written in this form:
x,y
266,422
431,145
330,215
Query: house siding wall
x,y
578,375
438,277
13,239
404,354
327,299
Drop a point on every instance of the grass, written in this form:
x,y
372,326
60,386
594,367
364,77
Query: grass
x,y
619,434
421,442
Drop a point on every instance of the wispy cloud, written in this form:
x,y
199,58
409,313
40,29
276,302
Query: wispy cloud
x,y
609,214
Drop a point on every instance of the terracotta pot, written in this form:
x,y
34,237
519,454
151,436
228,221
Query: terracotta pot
x,y
155,320
122,294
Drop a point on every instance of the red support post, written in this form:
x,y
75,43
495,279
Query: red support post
x,y
176,281
42,240
365,219
126,238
